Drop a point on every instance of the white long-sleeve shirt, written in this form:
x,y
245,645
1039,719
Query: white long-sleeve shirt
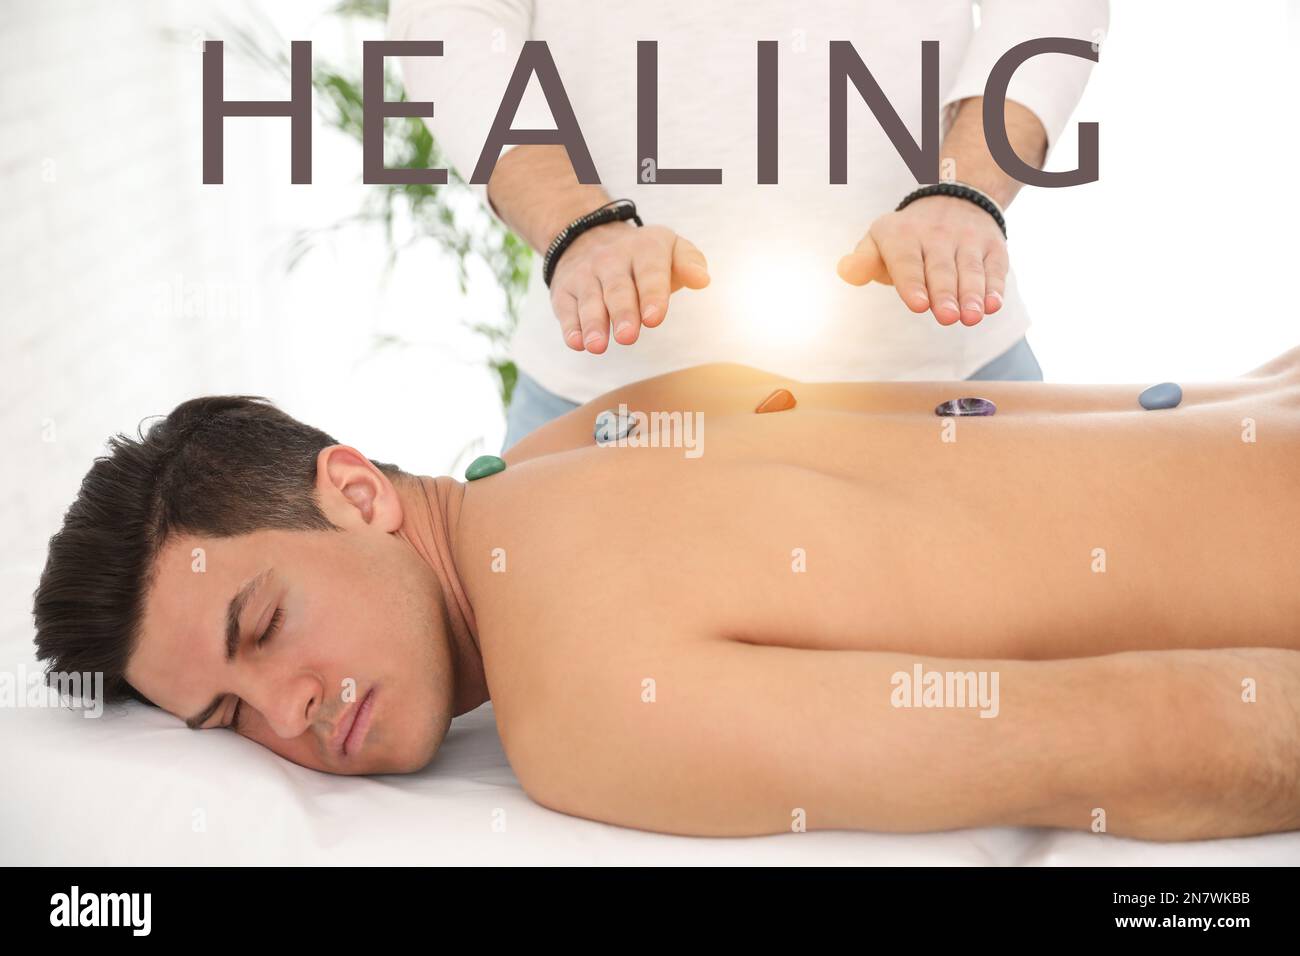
x,y
774,300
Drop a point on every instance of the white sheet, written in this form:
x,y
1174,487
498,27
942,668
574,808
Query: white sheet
x,y
133,786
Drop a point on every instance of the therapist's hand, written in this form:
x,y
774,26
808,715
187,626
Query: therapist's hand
x,y
619,276
940,253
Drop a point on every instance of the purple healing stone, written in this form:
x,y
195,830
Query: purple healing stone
x,y
966,406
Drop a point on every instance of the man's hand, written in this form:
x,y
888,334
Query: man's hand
x,y
620,275
615,274
943,253
940,253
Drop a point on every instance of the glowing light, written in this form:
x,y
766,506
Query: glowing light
x,y
783,300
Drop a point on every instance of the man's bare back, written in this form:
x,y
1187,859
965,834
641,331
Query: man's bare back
x,y
710,644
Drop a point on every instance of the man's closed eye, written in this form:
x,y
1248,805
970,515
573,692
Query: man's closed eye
x,y
277,619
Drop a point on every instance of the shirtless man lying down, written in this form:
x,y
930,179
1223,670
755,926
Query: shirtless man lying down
x,y
850,614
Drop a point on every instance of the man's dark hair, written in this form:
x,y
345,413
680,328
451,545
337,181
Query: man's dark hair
x,y
218,466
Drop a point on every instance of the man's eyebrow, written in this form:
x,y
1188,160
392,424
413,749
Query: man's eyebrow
x,y
233,612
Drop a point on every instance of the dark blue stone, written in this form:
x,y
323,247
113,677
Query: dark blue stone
x,y
966,406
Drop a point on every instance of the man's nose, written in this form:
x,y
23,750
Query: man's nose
x,y
292,705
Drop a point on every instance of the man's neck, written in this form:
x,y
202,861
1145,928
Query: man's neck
x,y
431,511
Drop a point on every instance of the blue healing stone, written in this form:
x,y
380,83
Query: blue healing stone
x,y
966,406
1164,395
610,427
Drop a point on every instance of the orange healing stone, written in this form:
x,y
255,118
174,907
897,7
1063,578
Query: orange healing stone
x,y
779,401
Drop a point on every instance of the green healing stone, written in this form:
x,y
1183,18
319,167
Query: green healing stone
x,y
482,466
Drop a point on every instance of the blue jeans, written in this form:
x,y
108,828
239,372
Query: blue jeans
x,y
533,406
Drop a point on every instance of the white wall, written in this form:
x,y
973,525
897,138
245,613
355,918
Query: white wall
x,y
1179,263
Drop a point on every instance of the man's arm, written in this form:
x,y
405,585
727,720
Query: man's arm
x,y
965,152
950,260
535,192
743,739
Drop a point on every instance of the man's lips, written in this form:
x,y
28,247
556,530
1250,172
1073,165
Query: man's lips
x,y
352,726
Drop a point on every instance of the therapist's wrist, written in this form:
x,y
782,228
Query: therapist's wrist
x,y
959,192
964,154
618,210
994,187
536,193
569,208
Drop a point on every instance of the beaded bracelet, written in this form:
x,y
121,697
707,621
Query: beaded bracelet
x,y
961,191
613,211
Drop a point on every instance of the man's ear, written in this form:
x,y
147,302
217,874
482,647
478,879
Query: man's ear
x,y
353,491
